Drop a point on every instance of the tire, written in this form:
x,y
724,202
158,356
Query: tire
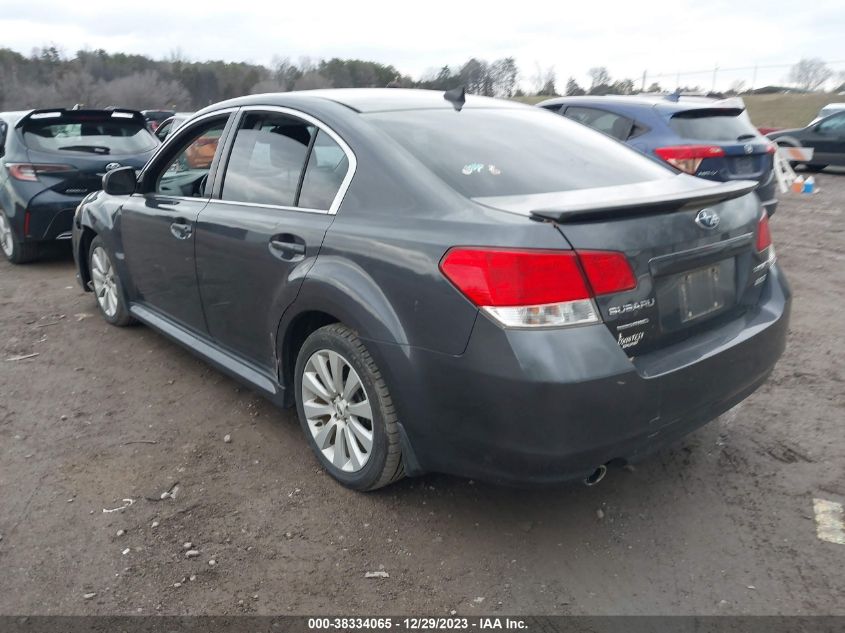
x,y
338,423
108,290
814,167
15,251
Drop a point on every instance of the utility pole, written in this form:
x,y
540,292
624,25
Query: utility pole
x,y
642,88
754,78
715,70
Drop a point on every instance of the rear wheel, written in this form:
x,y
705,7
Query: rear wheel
x,y
106,284
15,251
346,411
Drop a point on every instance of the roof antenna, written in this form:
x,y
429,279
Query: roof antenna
x,y
456,96
675,96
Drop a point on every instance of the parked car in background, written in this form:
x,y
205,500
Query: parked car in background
x,y
50,160
826,136
170,124
155,117
830,108
525,305
701,136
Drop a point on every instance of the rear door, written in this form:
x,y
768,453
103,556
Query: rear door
x,y
258,237
158,226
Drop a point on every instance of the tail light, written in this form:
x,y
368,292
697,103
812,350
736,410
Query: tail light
x,y
531,288
764,239
31,171
771,148
688,158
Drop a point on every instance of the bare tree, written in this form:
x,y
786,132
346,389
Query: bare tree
x,y
599,76
142,90
810,74
311,80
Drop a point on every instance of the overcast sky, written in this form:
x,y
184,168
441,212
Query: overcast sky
x,y
659,36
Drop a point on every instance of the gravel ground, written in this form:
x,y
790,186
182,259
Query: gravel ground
x,y
721,523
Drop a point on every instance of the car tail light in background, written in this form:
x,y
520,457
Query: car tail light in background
x,y
764,239
771,148
31,171
688,158
531,288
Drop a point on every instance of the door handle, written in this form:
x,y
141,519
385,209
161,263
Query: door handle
x,y
289,247
181,229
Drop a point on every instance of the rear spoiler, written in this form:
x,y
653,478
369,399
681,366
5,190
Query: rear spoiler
x,y
99,115
648,203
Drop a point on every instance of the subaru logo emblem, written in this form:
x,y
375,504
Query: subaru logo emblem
x,y
707,219
113,166
748,149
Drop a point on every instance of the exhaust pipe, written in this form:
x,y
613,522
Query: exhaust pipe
x,y
596,476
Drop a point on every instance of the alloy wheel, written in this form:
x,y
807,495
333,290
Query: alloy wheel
x,y
337,410
6,237
105,284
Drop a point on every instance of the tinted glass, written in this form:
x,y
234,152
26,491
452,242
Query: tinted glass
x,y
327,166
267,159
833,125
713,125
614,125
187,173
500,152
163,130
88,134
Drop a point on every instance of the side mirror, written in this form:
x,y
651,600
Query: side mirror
x,y
120,182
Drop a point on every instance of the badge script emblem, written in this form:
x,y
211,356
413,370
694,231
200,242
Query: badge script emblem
x,y
707,219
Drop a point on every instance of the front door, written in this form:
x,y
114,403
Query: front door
x,y
828,141
255,244
158,225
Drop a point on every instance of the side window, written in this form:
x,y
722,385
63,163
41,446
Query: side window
x,y
267,160
163,130
614,125
326,169
833,125
187,173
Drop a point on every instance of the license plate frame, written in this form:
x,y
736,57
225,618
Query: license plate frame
x,y
703,291
744,165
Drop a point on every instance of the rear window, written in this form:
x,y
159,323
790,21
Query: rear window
x,y
503,152
713,125
88,134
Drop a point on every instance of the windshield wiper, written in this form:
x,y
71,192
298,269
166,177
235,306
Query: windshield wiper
x,y
745,137
93,149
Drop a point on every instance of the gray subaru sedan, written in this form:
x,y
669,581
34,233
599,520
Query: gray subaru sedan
x,y
441,282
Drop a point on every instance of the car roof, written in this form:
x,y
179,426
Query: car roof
x,y
665,103
372,99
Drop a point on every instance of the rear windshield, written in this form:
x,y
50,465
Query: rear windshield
x,y
713,125
504,152
102,135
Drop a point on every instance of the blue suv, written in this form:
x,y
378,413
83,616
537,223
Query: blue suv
x,y
705,137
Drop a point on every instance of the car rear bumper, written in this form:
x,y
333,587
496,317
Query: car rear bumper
x,y
521,406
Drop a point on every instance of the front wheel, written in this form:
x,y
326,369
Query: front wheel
x,y
106,284
15,251
346,411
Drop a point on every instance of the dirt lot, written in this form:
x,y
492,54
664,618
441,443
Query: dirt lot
x,y
720,524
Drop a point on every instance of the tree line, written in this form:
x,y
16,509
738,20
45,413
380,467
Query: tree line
x,y
96,78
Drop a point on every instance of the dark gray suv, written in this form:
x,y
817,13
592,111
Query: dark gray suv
x,y
468,286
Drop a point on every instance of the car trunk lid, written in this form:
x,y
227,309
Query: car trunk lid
x,y
693,270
